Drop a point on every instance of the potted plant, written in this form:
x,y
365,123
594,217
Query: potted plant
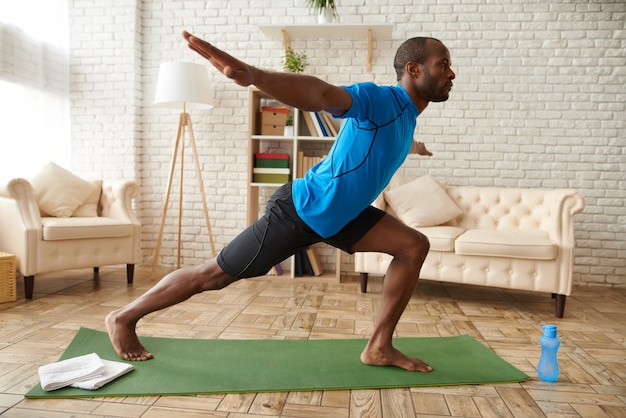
x,y
295,62
288,126
325,9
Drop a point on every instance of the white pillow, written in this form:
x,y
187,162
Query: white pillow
x,y
59,192
422,202
89,208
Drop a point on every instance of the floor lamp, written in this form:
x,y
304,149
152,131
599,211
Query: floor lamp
x,y
181,85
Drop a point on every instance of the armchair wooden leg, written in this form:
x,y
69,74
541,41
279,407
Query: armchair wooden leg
x,y
29,284
130,272
560,305
363,282
96,270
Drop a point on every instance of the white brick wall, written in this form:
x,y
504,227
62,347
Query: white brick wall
x,y
539,101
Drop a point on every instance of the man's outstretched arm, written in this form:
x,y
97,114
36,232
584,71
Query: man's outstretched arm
x,y
298,90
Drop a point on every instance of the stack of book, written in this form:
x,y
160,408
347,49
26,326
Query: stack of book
x,y
271,168
307,262
319,123
306,162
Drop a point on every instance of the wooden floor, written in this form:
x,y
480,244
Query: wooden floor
x,y
592,357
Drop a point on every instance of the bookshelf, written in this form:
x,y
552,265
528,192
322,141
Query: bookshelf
x,y
301,146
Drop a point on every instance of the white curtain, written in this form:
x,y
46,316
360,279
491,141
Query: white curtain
x,y
34,86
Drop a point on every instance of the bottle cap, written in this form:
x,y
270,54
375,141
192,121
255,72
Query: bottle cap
x,y
549,330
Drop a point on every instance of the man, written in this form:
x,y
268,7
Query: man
x,y
332,202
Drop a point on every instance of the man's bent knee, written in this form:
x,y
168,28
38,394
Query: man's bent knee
x,y
418,248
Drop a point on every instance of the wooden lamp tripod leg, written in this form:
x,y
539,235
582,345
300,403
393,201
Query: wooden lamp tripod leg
x,y
184,122
192,142
179,136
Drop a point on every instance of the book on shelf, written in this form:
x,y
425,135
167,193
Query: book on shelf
x,y
329,122
300,165
316,264
307,267
322,124
270,170
316,123
277,270
308,121
270,175
298,263
271,160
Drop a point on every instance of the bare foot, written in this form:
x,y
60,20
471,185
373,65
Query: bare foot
x,y
393,357
124,339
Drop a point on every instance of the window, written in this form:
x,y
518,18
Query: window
x,y
34,86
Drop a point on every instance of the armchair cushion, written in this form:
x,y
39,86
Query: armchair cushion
x,y
59,192
89,208
422,202
56,229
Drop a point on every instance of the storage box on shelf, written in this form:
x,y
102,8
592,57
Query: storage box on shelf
x,y
273,120
274,158
7,278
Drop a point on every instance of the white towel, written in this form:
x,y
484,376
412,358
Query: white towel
x,y
63,373
113,370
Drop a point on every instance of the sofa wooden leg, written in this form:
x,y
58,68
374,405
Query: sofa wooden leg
x,y
560,305
130,273
29,284
96,270
363,282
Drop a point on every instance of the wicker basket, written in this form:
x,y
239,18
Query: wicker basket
x,y
7,278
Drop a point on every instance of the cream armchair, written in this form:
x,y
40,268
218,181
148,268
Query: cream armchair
x,y
102,231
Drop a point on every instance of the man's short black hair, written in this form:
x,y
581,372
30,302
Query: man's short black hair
x,y
411,50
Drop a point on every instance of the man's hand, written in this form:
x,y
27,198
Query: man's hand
x,y
420,149
240,72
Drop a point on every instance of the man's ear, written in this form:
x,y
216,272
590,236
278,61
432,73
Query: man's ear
x,y
413,69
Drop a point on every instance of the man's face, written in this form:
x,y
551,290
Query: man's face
x,y
436,81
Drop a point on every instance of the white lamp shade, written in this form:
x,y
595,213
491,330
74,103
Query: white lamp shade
x,y
182,83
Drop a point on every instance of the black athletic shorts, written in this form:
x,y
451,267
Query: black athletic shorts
x,y
280,233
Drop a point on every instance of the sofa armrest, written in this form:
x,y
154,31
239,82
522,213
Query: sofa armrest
x,y
567,204
116,200
20,192
563,205
20,222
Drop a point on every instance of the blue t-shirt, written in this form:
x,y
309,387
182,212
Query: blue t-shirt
x,y
372,143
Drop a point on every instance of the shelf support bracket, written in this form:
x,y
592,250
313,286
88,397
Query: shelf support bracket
x,y
286,39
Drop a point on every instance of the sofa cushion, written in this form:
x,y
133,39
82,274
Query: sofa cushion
x,y
55,229
505,243
441,238
59,192
422,202
89,208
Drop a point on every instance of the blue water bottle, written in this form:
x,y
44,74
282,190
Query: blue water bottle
x,y
548,367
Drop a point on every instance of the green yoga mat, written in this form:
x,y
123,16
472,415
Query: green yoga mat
x,y
187,366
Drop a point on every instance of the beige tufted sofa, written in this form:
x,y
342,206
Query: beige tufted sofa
x,y
108,235
504,237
